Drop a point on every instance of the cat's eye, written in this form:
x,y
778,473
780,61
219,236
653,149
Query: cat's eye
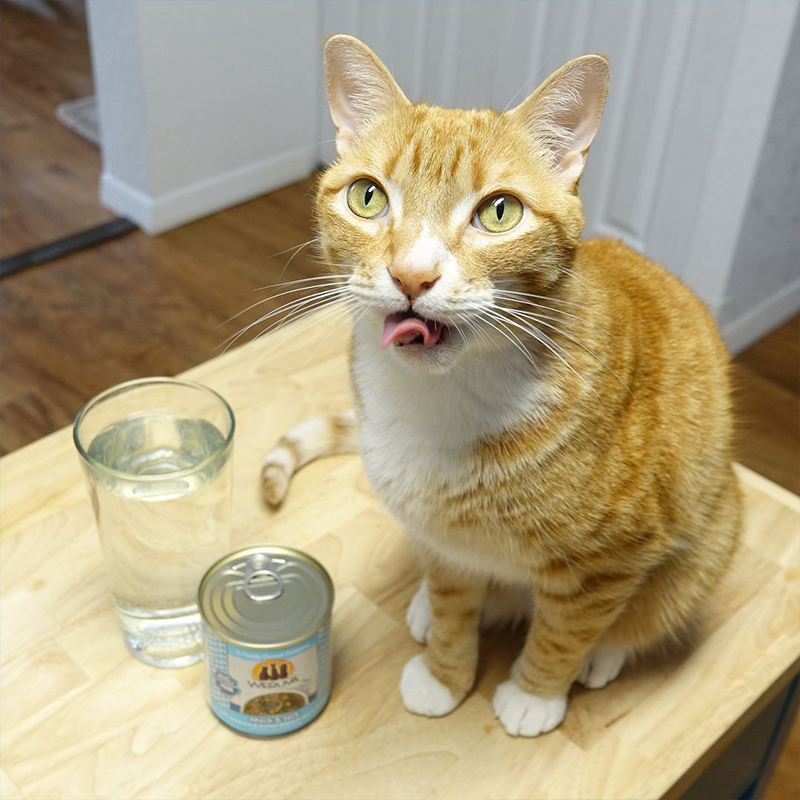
x,y
366,198
498,214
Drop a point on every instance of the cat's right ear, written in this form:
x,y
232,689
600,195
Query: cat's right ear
x,y
360,88
564,113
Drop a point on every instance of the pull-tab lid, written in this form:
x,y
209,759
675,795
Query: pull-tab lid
x,y
265,596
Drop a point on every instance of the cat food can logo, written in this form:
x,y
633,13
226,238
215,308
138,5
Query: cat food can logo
x,y
266,614
273,670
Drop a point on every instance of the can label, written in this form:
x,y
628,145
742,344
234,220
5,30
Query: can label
x,y
268,692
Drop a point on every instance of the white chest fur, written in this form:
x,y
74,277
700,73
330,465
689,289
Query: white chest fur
x,y
418,431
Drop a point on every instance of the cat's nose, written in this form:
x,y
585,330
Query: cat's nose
x,y
414,282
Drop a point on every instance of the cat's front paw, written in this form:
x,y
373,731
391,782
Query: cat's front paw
x,y
526,714
422,693
418,616
602,665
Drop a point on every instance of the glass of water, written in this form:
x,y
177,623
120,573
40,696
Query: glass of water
x,y
157,453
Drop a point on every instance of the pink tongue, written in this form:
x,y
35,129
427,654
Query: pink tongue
x,y
404,329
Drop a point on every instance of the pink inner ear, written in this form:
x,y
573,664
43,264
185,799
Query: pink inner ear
x,y
360,88
571,166
565,112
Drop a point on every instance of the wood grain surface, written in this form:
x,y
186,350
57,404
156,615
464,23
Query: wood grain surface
x,y
157,301
82,719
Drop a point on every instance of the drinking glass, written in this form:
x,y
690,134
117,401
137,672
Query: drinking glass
x,y
157,454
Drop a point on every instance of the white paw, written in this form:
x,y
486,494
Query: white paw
x,y
526,714
602,665
422,693
418,616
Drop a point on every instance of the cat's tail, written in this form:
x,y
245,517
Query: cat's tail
x,y
313,438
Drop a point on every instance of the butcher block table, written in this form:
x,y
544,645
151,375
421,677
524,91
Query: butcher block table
x,y
80,718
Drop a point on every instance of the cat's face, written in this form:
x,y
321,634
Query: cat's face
x,y
441,216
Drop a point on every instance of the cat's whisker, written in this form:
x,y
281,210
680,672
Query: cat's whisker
x,y
309,318
297,316
303,304
508,334
323,315
341,265
366,299
580,344
578,277
481,332
301,280
296,252
274,297
543,311
317,315
463,337
472,325
311,345
287,305
292,304
296,247
552,346
533,309
529,295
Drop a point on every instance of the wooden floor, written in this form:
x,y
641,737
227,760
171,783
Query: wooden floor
x,y
49,174
146,306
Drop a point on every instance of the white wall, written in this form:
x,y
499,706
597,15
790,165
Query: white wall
x,y
763,284
202,104
116,62
205,103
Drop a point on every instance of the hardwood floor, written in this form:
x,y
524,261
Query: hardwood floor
x,y
141,306
766,378
138,306
49,174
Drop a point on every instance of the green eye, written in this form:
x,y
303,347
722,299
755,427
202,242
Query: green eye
x,y
499,213
366,198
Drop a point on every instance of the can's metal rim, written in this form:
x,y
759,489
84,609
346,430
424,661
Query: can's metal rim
x,y
269,549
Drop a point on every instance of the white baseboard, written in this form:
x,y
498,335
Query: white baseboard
x,y
741,332
171,209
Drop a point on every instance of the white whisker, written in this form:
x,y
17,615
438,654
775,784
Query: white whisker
x,y
528,295
292,304
323,314
577,342
313,278
508,334
298,250
296,247
552,346
298,313
275,297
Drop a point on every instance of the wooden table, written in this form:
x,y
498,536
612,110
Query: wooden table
x,y
82,719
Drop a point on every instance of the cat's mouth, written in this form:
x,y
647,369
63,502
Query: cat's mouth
x,y
408,328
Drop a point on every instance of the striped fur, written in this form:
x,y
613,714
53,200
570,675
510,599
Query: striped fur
x,y
585,471
306,441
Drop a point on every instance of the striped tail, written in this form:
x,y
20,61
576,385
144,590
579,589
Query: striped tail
x,y
313,438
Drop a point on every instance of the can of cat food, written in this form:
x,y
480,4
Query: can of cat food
x,y
266,614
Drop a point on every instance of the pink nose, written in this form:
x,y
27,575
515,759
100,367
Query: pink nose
x,y
414,282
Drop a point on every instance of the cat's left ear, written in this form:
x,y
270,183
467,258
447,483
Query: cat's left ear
x,y
360,88
564,113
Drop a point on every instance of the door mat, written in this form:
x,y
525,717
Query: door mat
x,y
81,116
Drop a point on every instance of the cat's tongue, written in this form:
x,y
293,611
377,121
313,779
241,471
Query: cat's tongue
x,y
405,327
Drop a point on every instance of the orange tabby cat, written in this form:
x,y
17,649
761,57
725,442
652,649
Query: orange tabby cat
x,y
548,417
